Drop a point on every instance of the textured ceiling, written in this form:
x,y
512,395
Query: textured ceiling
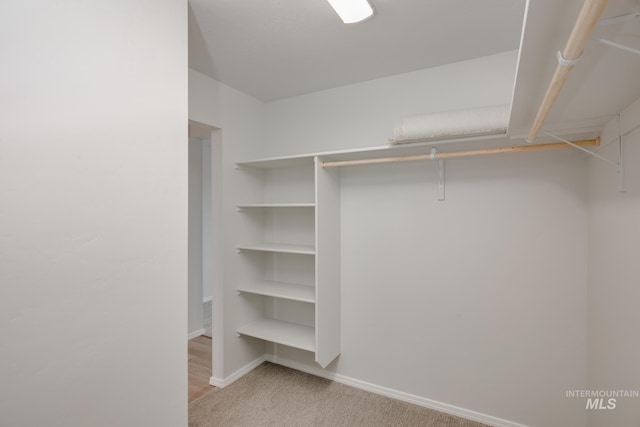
x,y
281,48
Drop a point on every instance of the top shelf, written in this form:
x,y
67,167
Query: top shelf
x,y
276,205
415,148
279,162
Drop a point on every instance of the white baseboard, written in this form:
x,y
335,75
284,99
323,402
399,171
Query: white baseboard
x,y
222,383
206,299
395,394
195,334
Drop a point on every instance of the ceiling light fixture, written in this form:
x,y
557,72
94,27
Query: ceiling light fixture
x,y
351,11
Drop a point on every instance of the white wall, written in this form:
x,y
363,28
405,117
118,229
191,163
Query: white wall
x,y
363,115
93,217
614,272
195,252
478,301
240,119
207,214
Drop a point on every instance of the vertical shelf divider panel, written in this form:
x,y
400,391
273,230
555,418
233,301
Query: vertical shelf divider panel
x,y
328,311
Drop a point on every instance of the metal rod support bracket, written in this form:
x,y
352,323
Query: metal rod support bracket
x,y
620,170
591,153
618,164
441,177
616,45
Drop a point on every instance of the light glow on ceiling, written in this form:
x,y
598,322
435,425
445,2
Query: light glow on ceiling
x,y
351,11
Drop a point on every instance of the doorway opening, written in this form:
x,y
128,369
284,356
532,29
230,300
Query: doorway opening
x,y
204,256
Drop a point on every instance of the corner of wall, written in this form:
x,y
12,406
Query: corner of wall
x,y
614,239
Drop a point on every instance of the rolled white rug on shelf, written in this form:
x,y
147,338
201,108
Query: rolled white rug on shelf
x,y
491,120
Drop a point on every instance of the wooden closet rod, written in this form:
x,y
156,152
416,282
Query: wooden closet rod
x,y
587,20
469,153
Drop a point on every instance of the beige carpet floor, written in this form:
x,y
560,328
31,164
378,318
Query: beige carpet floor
x,y
272,395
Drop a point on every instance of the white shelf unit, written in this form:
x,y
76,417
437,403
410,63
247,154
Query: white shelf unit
x,y
290,269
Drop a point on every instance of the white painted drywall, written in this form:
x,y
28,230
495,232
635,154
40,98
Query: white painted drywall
x,y
614,272
240,120
207,215
478,301
363,115
93,213
196,321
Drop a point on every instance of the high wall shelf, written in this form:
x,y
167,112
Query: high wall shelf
x,y
289,252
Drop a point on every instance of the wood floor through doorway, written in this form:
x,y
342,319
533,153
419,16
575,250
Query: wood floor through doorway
x,y
199,366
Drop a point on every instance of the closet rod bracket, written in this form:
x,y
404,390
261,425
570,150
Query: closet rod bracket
x,y
616,45
620,171
618,164
441,178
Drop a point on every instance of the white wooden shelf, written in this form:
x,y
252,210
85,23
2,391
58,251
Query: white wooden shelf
x,y
280,248
279,332
276,205
278,162
280,290
386,150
